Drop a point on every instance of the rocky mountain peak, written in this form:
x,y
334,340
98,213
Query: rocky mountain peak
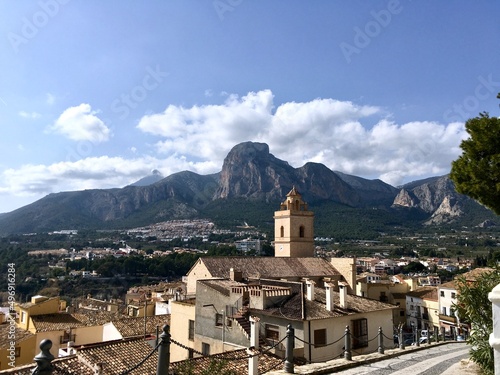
x,y
448,210
249,170
403,199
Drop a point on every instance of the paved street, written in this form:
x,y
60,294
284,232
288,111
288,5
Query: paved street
x,y
436,360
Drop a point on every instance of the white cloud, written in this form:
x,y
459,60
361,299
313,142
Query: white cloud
x,y
80,123
89,173
344,136
30,115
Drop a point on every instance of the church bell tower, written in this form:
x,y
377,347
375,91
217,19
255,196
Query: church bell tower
x,y
293,228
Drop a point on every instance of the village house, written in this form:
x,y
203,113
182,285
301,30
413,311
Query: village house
x,y
317,294
448,294
319,316
422,307
371,286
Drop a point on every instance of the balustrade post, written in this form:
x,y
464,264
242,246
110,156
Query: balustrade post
x,y
44,359
401,338
347,344
290,343
164,352
380,341
494,297
253,361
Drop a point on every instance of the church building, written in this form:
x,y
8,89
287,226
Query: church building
x,y
293,228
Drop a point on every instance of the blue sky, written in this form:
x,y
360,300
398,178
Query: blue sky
x,y
96,94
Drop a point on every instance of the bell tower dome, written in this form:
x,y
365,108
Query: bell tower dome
x,y
293,228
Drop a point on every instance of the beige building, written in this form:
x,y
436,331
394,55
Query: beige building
x,y
17,346
386,291
422,308
183,315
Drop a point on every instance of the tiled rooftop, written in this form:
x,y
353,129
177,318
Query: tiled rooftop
x,y
20,335
269,267
297,307
130,327
120,356
115,357
316,309
82,318
235,361
476,272
62,366
426,292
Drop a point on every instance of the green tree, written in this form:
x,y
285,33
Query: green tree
x,y
476,172
474,307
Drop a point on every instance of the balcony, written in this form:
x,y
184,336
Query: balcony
x,y
447,319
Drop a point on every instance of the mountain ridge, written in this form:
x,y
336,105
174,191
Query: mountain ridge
x,y
250,174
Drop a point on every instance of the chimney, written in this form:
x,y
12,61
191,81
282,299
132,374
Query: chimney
x,y
310,290
329,296
70,348
343,295
235,275
98,369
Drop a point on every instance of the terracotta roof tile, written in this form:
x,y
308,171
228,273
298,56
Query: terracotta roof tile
x,y
269,267
426,292
316,309
20,335
63,320
130,327
62,366
120,356
236,360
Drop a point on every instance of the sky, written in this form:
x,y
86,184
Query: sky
x,y
97,94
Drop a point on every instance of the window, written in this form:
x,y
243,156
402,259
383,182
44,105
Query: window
x,y
453,295
66,337
219,322
301,231
18,352
282,231
442,293
191,330
383,297
23,317
190,353
401,313
205,348
319,338
359,333
272,332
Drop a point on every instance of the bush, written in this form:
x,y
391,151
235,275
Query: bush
x,y
474,307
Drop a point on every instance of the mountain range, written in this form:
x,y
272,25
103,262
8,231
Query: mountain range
x,y
249,187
